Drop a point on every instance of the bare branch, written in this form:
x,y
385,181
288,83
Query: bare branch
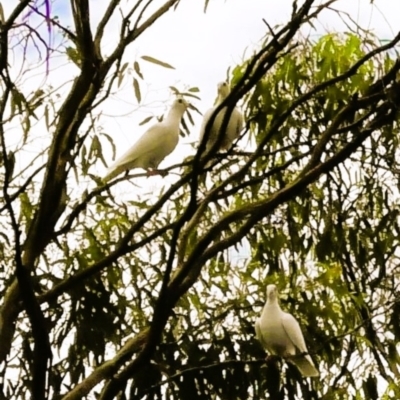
x,y
80,12
102,24
70,35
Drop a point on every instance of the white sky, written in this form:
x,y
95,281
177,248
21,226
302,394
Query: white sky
x,y
201,47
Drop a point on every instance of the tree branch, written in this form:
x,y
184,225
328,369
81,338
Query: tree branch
x,y
42,349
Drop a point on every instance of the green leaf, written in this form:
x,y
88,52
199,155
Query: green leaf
x,y
190,95
120,79
136,67
17,101
26,126
174,90
96,148
186,130
158,62
46,116
26,207
111,141
74,56
146,120
190,117
84,160
123,68
137,90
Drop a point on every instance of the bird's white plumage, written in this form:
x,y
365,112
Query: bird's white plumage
x,y
280,334
235,124
154,145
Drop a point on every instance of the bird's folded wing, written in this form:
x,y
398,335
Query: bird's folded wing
x,y
151,141
292,329
259,335
206,118
239,121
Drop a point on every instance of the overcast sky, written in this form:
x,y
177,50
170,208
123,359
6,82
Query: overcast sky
x,y
201,46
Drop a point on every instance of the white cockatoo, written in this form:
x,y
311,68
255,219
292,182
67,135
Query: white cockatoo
x,y
280,334
235,124
153,146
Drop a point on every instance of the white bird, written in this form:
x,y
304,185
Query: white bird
x,y
235,124
280,334
153,146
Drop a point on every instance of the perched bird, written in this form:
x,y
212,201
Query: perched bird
x,y
280,334
153,146
235,124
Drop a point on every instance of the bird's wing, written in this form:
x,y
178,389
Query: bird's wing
x,y
259,335
206,118
149,142
234,127
292,329
258,330
239,121
304,363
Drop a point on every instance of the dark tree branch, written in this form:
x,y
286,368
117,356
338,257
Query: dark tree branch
x,y
42,349
140,16
102,25
71,114
84,39
221,365
14,15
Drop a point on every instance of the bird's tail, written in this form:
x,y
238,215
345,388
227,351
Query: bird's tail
x,y
305,365
108,177
111,173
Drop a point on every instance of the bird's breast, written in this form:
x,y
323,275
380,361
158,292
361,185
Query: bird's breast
x,y
274,335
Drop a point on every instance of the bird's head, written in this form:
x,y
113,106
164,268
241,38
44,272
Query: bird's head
x,y
181,104
272,293
223,89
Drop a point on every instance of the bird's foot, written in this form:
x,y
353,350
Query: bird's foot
x,y
157,172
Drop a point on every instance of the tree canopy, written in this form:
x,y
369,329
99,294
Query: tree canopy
x,y
107,294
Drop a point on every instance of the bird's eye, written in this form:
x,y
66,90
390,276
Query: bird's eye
x,y
180,100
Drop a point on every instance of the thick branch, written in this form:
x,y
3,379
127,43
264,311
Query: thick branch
x,y
84,40
42,349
